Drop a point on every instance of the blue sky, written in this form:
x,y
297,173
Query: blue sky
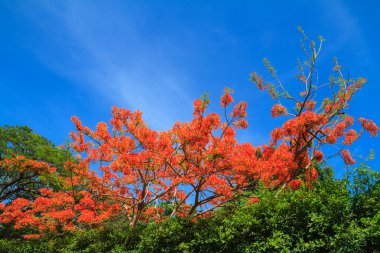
x,y
64,58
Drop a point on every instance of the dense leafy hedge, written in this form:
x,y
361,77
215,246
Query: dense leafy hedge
x,y
333,216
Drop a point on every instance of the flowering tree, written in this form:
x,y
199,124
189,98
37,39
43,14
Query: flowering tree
x,y
311,125
126,169
186,167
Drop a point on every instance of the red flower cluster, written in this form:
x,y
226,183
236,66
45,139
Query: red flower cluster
x,y
350,136
24,165
369,126
226,99
347,157
278,110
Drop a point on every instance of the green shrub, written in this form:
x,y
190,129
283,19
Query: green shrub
x,y
333,216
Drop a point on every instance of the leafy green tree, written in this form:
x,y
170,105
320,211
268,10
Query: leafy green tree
x,y
21,141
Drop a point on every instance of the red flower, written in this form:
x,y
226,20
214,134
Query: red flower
x,y
226,99
31,236
348,160
318,156
369,126
278,110
239,110
295,184
253,200
350,137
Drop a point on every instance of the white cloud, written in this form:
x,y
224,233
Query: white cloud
x,y
105,48
345,27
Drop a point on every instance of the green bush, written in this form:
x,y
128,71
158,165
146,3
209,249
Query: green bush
x,y
333,216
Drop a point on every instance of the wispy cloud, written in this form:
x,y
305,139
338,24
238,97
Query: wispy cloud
x,y
105,49
345,27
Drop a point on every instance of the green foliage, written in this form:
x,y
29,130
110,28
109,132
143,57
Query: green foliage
x,y
333,216
22,141
33,246
109,239
366,192
115,238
